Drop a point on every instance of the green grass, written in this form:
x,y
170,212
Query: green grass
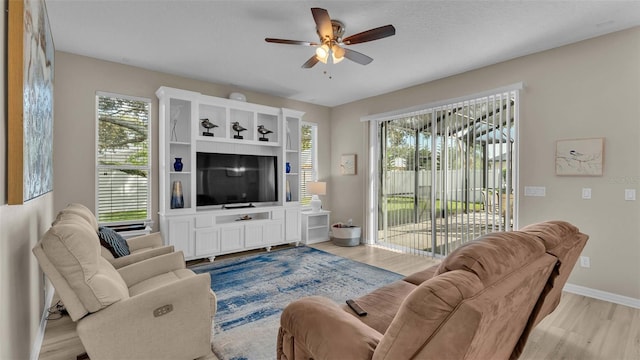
x,y
403,202
400,209
123,216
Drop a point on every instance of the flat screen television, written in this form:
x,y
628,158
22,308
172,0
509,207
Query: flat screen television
x,y
225,179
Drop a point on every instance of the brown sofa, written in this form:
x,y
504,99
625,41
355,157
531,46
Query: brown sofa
x,y
481,302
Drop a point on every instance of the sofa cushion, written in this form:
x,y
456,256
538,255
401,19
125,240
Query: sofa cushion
x,y
382,304
419,277
424,312
494,255
557,236
74,250
72,217
113,241
82,211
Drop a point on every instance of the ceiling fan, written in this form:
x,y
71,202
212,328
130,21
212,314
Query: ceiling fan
x,y
330,48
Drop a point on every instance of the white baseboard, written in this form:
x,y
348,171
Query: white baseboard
x,y
602,295
37,344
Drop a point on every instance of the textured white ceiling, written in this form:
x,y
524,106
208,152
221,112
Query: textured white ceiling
x,y
223,41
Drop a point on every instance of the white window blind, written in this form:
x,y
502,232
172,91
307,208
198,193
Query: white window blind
x,y
123,159
308,159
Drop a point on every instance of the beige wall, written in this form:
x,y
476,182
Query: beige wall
x,y
21,285
582,90
588,89
77,80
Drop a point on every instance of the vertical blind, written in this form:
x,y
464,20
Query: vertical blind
x,y
447,174
308,158
123,159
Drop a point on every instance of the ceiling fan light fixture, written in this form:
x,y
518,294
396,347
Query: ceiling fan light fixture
x,y
322,52
330,32
337,53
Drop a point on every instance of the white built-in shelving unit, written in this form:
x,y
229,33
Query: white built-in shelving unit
x,y
208,232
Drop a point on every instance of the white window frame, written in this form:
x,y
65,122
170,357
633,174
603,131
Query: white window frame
x,y
98,167
304,197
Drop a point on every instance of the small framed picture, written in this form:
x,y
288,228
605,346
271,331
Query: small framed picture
x,y
580,157
348,164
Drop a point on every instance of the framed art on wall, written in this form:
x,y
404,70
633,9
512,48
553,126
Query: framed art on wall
x,y
580,157
348,164
30,62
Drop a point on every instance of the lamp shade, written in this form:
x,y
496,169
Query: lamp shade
x,y
317,188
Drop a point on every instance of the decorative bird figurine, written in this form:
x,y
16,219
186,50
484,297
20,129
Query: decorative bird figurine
x,y
264,131
237,128
207,125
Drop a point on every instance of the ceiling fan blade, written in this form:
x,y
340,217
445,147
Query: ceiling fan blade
x,y
290,42
369,35
323,22
312,61
355,56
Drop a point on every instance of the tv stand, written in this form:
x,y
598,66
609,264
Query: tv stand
x,y
231,207
207,232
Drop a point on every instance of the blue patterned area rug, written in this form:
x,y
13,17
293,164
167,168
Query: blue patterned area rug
x,y
252,291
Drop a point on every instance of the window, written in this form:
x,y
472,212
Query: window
x,y
446,173
309,159
123,160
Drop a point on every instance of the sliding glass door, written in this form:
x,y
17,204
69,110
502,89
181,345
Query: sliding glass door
x,y
447,174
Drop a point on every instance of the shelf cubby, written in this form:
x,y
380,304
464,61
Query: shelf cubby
x,y
217,115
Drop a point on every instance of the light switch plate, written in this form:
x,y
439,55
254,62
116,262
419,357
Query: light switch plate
x,y
535,191
630,194
586,193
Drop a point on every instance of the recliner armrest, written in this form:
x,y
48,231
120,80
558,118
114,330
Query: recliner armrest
x,y
162,316
326,331
145,269
145,241
139,256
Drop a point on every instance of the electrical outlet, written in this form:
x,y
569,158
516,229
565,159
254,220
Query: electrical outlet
x,y
585,262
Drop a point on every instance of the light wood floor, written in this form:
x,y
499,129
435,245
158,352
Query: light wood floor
x,y
580,328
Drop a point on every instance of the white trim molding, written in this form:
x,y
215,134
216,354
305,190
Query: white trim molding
x,y
37,343
602,295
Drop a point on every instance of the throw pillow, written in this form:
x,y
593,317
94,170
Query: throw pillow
x,y
113,241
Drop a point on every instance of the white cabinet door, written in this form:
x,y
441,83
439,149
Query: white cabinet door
x,y
207,241
292,225
253,234
181,234
231,237
273,232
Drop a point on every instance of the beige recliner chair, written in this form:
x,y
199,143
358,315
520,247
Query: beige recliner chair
x,y
141,247
153,309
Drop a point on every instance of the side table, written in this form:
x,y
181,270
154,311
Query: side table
x,y
315,226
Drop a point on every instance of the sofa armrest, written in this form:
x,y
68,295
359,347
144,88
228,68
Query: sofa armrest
x,y
145,241
140,271
139,256
325,331
421,276
143,327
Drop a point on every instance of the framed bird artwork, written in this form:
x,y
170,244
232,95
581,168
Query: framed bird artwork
x,y
580,157
348,164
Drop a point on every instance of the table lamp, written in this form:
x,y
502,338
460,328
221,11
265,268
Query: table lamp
x,y
316,188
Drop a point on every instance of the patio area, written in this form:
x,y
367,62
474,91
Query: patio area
x,y
458,228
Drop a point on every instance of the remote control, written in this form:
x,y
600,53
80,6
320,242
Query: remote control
x,y
356,308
